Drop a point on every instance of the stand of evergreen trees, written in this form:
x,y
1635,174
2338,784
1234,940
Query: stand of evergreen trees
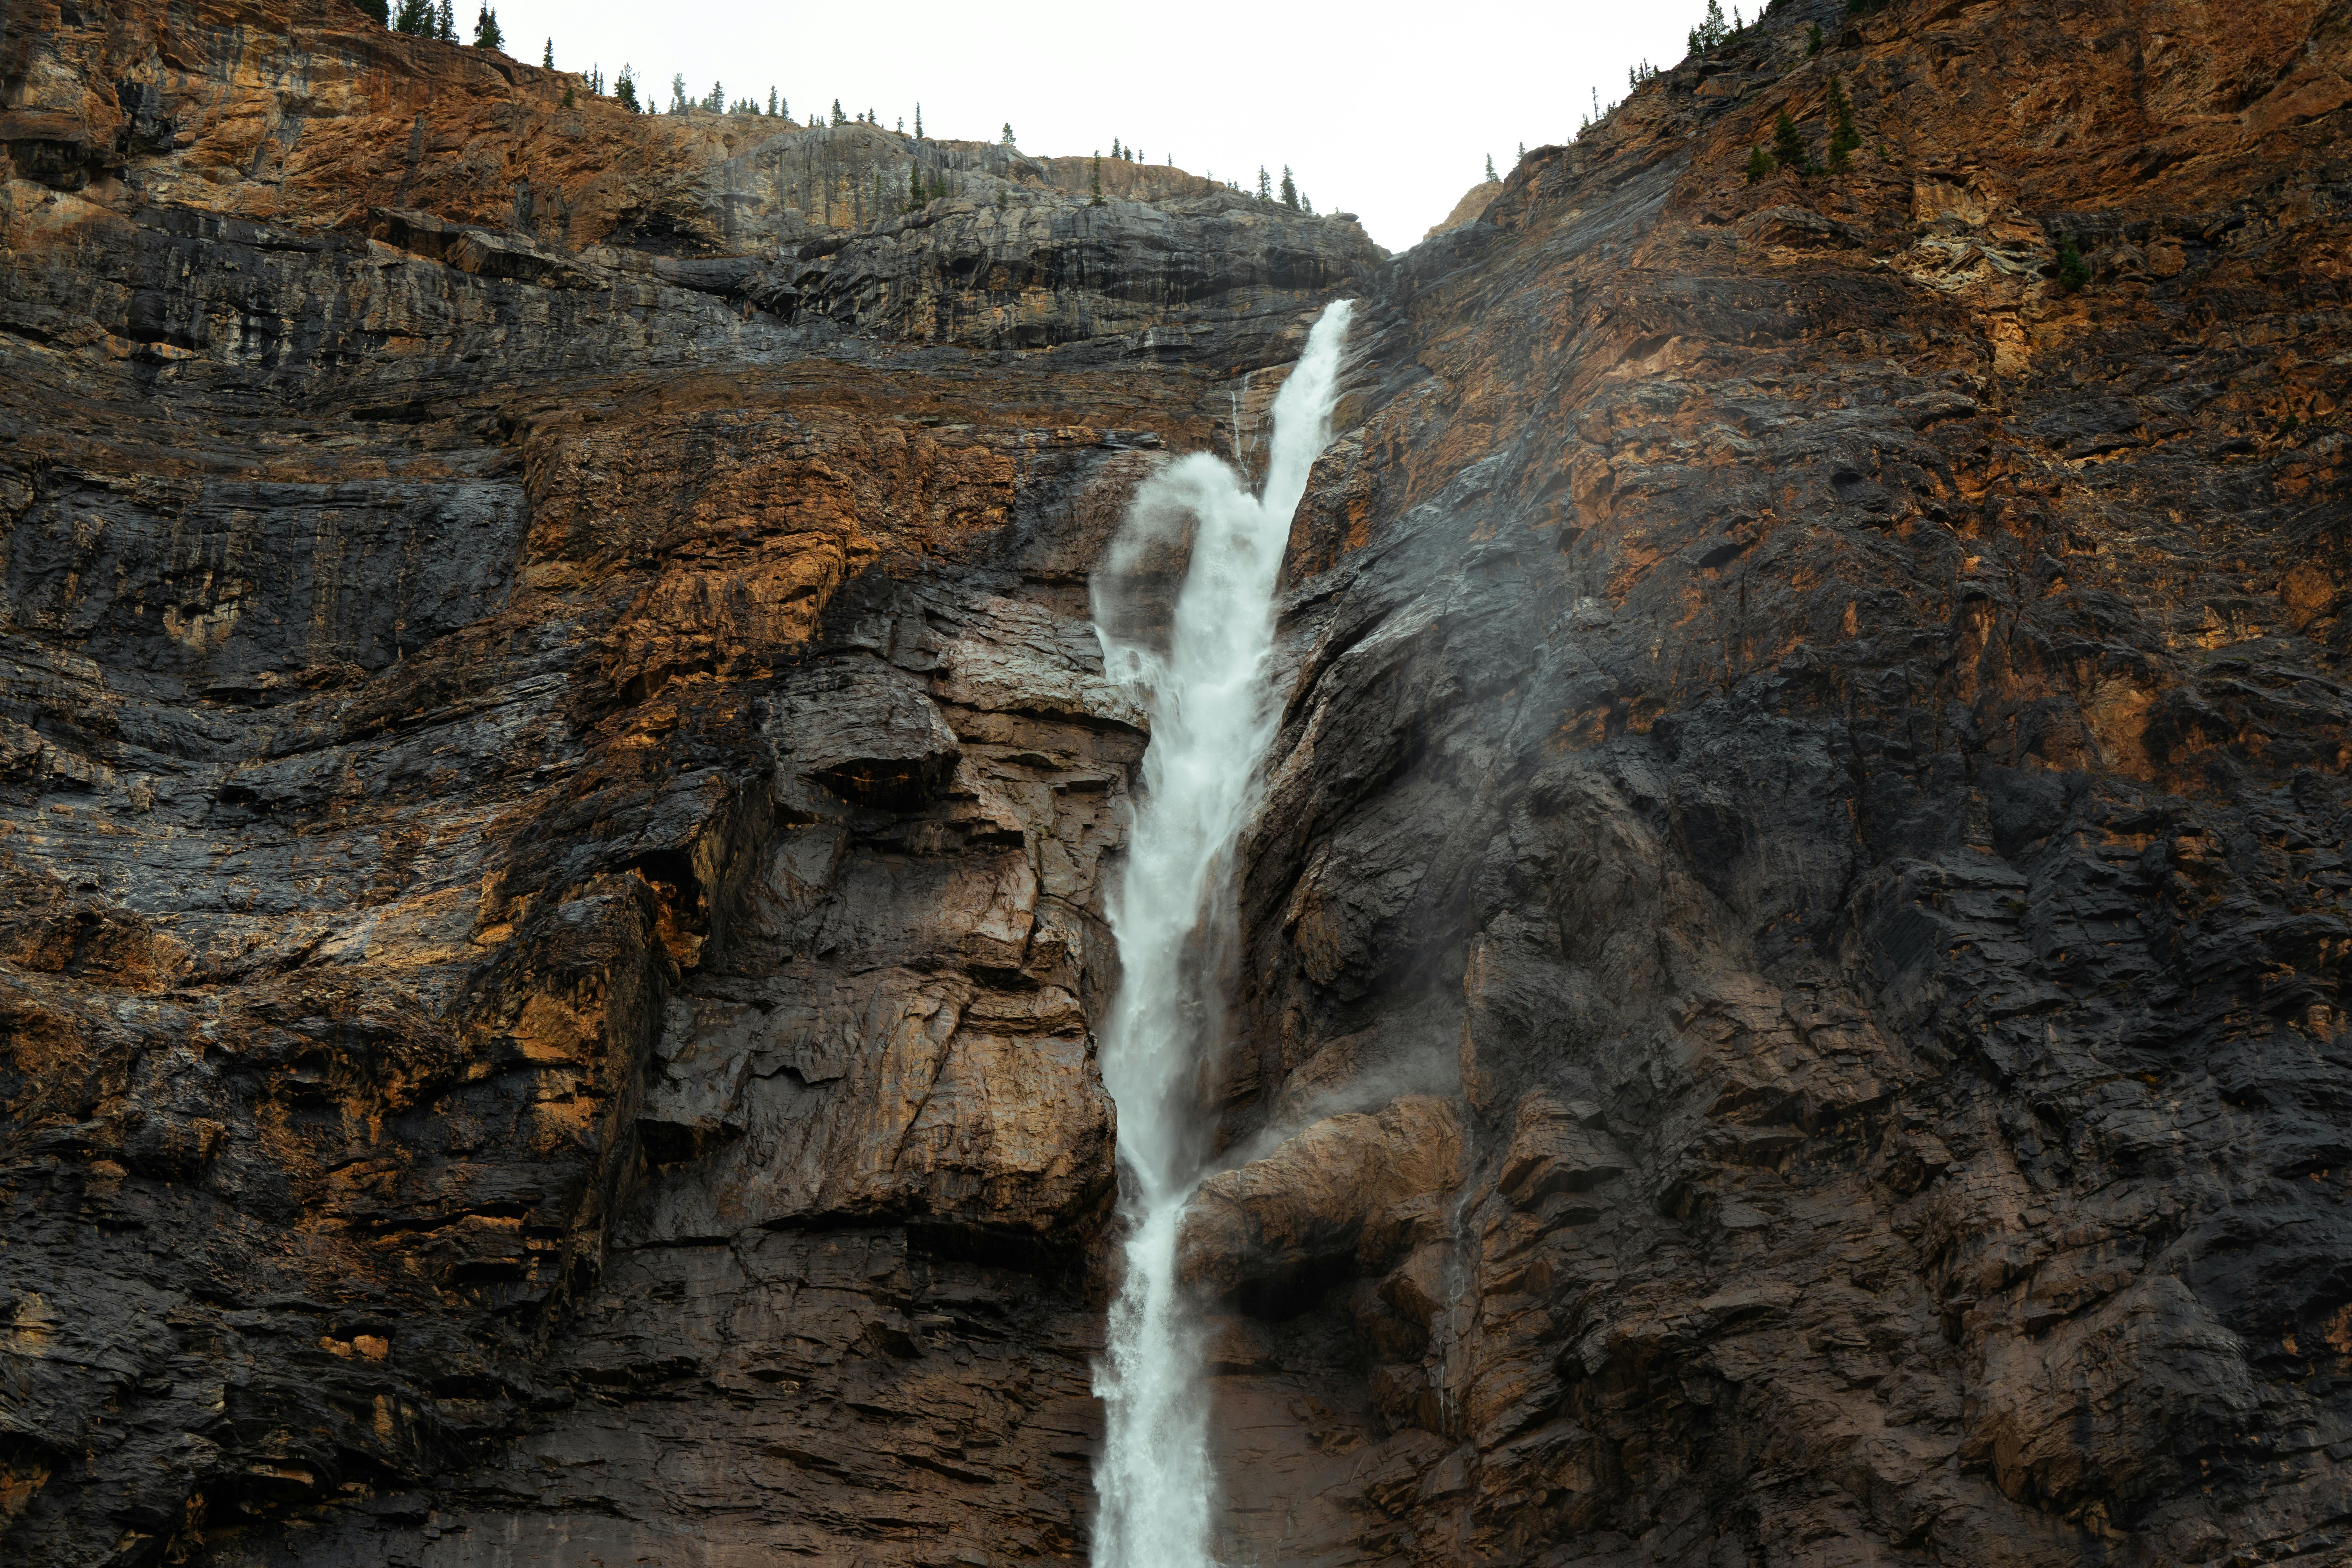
x,y
429,19
425,19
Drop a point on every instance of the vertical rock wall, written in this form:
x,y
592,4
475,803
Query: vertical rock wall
x,y
1822,746
555,787
555,799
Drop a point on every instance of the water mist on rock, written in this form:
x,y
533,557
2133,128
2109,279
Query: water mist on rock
x,y
1173,914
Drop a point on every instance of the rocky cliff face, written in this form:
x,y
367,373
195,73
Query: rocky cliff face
x,y
554,789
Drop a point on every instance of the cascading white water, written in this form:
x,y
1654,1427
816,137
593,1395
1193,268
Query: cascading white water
x,y
1173,914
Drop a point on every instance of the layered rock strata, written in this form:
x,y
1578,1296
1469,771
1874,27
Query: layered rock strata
x,y
556,783
555,786
1832,743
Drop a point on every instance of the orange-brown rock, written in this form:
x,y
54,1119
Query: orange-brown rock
x,y
555,808
1346,1190
1837,737
555,787
1473,202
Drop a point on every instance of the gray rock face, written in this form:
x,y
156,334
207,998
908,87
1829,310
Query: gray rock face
x,y
575,850
867,732
1179,281
555,789
1880,934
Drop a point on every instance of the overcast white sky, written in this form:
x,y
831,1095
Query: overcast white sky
x,y
1380,110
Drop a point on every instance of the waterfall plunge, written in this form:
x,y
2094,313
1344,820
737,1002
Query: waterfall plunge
x,y
1212,719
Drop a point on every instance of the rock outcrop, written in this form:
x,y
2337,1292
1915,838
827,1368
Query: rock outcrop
x,y
555,787
1475,201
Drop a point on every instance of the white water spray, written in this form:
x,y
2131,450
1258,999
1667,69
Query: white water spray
x,y
1173,914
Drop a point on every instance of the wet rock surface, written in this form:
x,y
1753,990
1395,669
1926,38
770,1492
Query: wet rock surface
x,y
555,788
1834,741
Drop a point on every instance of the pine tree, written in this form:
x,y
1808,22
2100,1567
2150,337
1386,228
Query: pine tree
x,y
715,99
1492,177
1789,148
773,107
547,57
1008,134
376,11
838,117
414,18
919,119
486,30
1097,200
677,93
1712,29
1758,165
1843,137
1264,185
1813,39
2073,270
1290,189
624,88
444,22
914,186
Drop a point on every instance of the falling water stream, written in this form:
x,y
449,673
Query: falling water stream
x,y
1174,917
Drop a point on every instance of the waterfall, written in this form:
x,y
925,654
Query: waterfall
x,y
1174,917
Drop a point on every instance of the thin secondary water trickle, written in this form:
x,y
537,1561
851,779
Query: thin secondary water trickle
x,y
1237,403
1174,917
